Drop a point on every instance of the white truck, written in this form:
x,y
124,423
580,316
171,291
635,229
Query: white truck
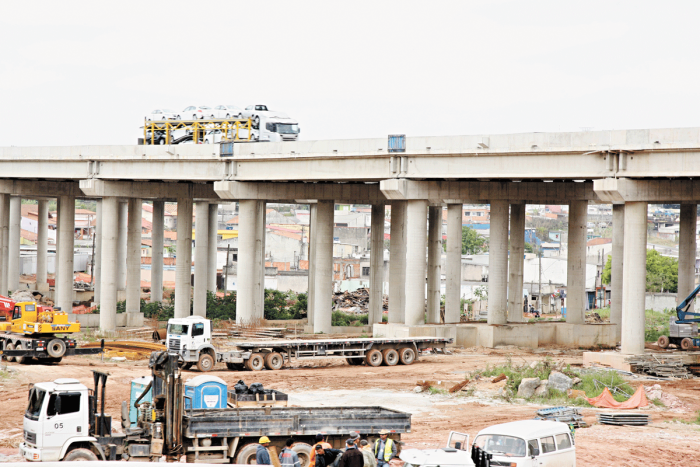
x,y
457,453
191,339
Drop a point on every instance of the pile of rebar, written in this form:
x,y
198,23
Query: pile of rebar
x,y
568,415
667,366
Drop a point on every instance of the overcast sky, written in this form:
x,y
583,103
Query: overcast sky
x,y
86,72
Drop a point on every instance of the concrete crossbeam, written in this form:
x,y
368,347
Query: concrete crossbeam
x,y
359,193
40,188
147,189
620,190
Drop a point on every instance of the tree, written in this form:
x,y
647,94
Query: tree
x,y
472,242
662,272
529,248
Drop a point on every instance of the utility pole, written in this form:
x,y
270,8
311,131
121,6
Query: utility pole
x,y
92,261
228,249
539,287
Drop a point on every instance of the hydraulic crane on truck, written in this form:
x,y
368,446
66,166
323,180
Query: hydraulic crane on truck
x,y
683,331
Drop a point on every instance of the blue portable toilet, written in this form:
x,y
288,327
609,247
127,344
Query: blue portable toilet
x,y
206,392
138,385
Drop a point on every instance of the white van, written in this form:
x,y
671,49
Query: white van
x,y
529,443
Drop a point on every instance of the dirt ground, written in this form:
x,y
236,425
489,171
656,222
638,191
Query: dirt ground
x,y
666,441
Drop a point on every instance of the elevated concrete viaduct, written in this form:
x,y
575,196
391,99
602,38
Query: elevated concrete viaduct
x,y
628,168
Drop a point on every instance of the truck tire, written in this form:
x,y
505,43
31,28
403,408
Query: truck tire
x,y
23,360
256,362
81,454
663,342
274,361
303,450
234,366
10,346
390,357
56,348
407,355
687,343
205,363
247,454
374,357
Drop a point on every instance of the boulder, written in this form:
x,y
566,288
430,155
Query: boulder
x,y
534,364
541,390
576,381
575,393
417,389
560,381
527,387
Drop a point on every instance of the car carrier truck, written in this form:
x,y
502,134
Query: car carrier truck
x,y
65,421
191,339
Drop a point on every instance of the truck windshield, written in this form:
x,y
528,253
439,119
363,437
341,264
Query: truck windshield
x,y
178,329
501,445
287,128
36,400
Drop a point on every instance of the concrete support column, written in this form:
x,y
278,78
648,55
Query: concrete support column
x,y
576,263
376,266
453,264
109,269
14,240
133,257
183,263
498,264
434,255
248,262
397,263
415,261
686,253
97,272
157,251
515,263
259,298
323,276
310,312
42,245
122,246
213,240
66,227
616,272
634,280
4,241
201,257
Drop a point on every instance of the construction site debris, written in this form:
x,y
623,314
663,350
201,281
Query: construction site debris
x,y
568,415
498,378
634,419
131,350
665,365
355,302
459,386
527,387
671,402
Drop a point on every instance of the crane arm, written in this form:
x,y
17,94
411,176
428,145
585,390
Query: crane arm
x,y
684,316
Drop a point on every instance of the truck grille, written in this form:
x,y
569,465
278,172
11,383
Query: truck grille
x,y
29,437
174,345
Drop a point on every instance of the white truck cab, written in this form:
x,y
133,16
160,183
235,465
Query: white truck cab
x,y
529,443
457,453
57,423
190,337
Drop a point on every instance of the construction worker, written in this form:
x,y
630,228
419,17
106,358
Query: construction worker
x,y
384,449
262,455
352,457
289,458
320,441
327,457
366,451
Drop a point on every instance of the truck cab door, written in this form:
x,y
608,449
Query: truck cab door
x,y
198,335
65,418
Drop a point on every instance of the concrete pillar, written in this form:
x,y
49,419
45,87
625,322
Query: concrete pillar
x,y
157,251
453,264
4,241
434,256
213,240
576,263
183,263
323,276
13,258
397,263
201,257
133,257
616,266
498,264
686,253
42,245
634,278
415,262
515,263
66,227
97,272
109,269
376,265
312,264
259,298
248,263
122,246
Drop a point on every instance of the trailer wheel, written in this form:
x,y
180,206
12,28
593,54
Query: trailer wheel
x,y
56,348
390,357
234,366
80,454
374,357
407,355
663,342
10,346
687,343
24,359
256,362
247,454
274,361
205,363
303,450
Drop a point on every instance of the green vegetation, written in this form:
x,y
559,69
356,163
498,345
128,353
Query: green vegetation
x,y
657,324
472,242
433,390
662,272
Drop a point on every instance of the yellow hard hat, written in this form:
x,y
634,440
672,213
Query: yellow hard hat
x,y
264,439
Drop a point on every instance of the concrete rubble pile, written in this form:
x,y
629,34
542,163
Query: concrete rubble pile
x,y
355,302
23,295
